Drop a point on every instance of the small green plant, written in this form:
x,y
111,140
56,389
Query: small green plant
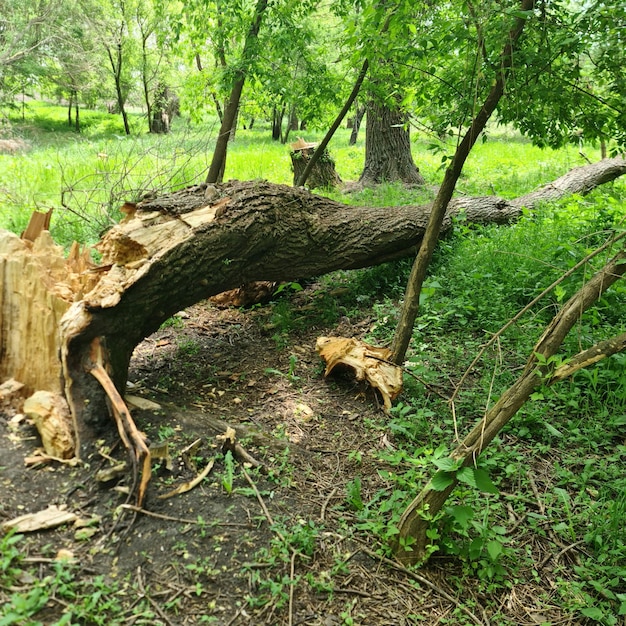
x,y
10,558
353,494
228,475
290,375
176,321
188,347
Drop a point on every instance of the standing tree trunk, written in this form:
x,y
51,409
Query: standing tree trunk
x,y
218,164
277,123
160,121
388,155
116,60
292,124
70,104
356,124
77,112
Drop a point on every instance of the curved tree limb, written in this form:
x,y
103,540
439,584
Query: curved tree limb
x,y
172,252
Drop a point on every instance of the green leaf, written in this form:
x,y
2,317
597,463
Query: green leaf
x,y
593,613
494,549
477,478
461,515
441,480
475,548
552,430
447,464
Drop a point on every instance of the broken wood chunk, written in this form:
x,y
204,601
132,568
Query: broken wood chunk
x,y
143,404
368,362
51,415
10,388
51,517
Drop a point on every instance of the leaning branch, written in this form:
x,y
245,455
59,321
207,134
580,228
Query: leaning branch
x,y
412,538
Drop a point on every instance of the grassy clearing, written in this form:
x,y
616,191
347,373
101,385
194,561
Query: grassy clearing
x,y
87,176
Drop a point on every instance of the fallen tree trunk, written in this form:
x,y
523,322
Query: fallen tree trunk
x,y
172,252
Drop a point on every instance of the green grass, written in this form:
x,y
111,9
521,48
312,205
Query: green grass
x,y
87,176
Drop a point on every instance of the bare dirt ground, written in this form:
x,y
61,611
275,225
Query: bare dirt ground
x,y
274,547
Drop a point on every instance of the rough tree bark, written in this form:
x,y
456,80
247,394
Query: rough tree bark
x,y
176,250
388,148
356,124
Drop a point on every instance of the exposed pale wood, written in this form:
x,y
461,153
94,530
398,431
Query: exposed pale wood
x,y
38,222
51,517
11,390
34,296
368,363
132,438
51,415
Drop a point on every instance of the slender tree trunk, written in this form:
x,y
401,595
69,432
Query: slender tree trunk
x,y
388,148
218,106
76,111
116,66
70,104
292,124
404,329
146,97
233,130
277,122
356,124
218,164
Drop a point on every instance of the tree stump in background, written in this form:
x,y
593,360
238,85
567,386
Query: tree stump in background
x,y
323,174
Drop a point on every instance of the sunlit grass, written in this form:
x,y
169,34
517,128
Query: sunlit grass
x,y
87,176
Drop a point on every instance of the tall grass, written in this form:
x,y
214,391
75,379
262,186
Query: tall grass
x,y
87,176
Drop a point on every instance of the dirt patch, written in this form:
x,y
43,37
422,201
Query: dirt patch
x,y
270,545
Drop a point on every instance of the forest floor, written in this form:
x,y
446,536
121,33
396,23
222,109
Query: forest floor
x,y
271,545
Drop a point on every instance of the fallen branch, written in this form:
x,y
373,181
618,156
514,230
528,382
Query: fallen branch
x,y
411,546
190,484
155,262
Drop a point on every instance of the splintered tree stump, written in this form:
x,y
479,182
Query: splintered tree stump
x,y
323,175
174,251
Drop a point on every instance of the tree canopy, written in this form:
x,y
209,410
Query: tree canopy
x,y
434,61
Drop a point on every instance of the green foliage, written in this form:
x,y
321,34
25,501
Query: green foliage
x,y
228,475
288,541
85,600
